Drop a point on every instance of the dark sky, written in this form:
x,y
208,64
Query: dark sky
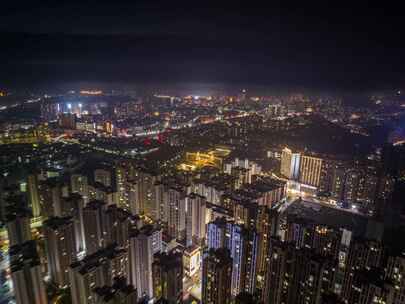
x,y
317,45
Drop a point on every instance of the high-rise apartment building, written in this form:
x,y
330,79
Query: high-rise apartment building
x,y
96,270
195,219
118,223
243,247
103,176
217,277
95,226
52,191
67,121
119,292
18,223
176,212
266,226
363,254
143,244
79,184
60,247
296,275
145,191
73,206
33,194
122,186
368,286
26,274
168,277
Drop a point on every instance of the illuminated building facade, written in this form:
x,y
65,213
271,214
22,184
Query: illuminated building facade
x,y
108,127
143,244
243,247
290,164
197,160
33,194
34,135
310,170
192,260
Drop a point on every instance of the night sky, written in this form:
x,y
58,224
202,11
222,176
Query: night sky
x,y
354,46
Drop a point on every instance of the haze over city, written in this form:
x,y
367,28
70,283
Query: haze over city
x,y
184,152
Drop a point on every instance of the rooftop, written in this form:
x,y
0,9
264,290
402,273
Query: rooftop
x,y
24,254
328,216
94,260
57,222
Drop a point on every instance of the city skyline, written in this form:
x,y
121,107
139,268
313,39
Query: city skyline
x,y
187,153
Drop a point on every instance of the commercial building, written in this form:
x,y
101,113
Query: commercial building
x,y
192,260
310,170
290,164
